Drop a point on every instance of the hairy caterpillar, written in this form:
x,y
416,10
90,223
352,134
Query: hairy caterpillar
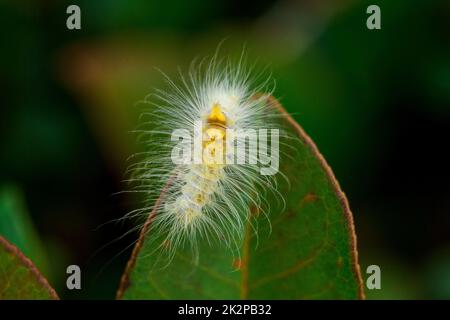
x,y
211,154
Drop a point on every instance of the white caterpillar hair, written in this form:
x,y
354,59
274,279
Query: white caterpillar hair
x,y
208,201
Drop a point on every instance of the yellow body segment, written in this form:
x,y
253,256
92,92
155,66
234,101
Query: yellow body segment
x,y
206,176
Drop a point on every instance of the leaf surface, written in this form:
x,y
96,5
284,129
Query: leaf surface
x,y
307,251
19,278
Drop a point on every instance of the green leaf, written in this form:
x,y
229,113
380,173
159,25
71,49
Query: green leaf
x,y
19,278
17,227
310,253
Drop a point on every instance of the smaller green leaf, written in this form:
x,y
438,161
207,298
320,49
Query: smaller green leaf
x,y
19,277
17,227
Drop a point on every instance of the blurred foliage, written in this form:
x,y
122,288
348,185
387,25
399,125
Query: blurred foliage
x,y
17,228
375,102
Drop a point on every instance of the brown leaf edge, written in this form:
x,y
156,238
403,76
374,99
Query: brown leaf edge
x,y
337,189
125,279
27,263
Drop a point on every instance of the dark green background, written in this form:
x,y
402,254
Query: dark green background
x,y
377,103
